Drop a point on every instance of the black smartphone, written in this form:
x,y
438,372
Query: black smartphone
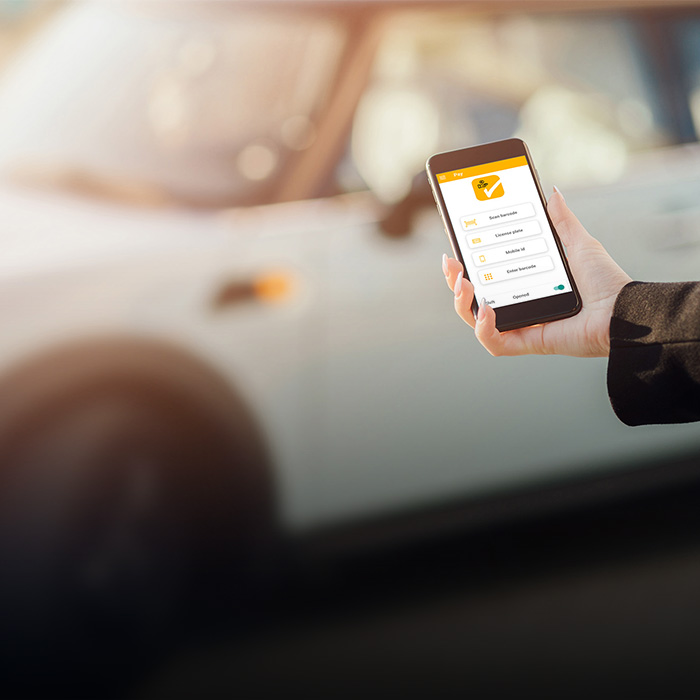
x,y
495,215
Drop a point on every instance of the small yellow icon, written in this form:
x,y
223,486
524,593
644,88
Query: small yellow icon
x,y
482,258
489,187
467,224
442,177
488,277
476,240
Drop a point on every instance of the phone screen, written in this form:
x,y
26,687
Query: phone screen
x,y
503,233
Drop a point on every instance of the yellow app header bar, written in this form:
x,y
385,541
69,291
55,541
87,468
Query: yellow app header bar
x,y
476,170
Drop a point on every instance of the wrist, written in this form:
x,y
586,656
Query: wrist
x,y
605,334
604,340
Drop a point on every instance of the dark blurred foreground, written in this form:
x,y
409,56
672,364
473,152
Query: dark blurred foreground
x,y
589,590
599,602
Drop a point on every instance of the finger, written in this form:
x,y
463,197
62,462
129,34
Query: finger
x,y
464,295
524,341
486,332
451,268
571,231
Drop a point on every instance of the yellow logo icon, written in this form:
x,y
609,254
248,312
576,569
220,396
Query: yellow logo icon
x,y
486,188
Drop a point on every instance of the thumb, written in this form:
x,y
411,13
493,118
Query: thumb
x,y
570,229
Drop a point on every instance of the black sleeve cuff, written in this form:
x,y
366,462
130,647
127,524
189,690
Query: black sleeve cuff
x,y
654,366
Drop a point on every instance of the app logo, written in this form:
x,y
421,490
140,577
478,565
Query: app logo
x,y
489,187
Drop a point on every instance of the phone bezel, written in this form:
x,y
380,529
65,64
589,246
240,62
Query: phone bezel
x,y
521,314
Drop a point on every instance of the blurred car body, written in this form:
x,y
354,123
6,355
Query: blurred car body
x,y
220,287
197,174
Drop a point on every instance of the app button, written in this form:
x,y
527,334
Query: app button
x,y
496,217
516,250
518,269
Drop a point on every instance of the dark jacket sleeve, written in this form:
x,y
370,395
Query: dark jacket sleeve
x,y
654,365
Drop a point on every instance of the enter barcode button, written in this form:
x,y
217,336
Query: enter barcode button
x,y
508,272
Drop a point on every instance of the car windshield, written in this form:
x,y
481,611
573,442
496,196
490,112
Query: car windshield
x,y
197,103
213,103
581,89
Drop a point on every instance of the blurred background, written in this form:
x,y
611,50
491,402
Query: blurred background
x,y
246,446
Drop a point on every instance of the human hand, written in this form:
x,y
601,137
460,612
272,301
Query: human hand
x,y
599,280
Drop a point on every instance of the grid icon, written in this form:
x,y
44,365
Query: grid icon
x,y
488,277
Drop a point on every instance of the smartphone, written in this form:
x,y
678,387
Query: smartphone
x,y
495,215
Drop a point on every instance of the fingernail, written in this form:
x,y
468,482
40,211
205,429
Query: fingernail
x,y
444,264
558,191
458,284
482,310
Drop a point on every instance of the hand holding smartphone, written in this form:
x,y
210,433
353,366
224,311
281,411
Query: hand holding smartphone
x,y
495,215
